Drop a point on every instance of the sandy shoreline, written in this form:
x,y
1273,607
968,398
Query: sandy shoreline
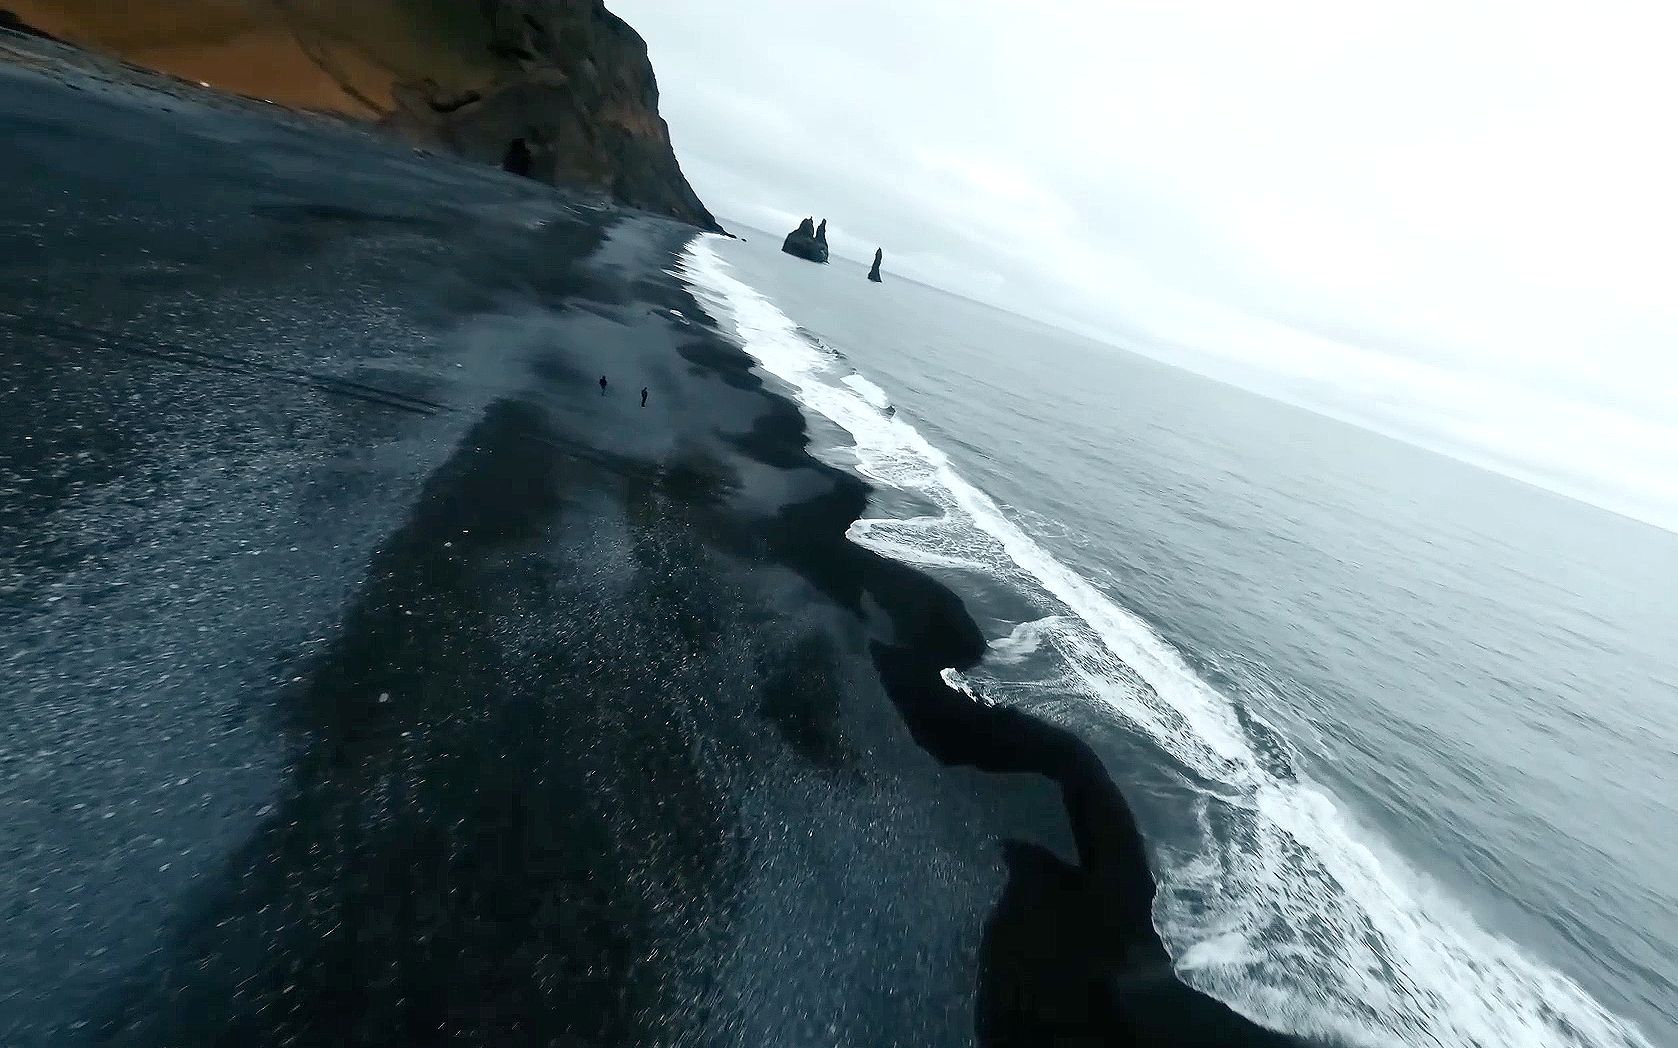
x,y
541,717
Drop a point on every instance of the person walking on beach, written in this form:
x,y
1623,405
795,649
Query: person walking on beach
x,y
602,385
643,396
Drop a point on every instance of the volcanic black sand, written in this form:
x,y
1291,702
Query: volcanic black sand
x,y
370,678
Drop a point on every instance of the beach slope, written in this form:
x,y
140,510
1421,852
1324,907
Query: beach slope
x,y
373,676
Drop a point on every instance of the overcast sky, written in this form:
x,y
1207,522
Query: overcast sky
x,y
1455,220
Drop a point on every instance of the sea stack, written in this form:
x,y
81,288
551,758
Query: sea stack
x,y
879,256
808,241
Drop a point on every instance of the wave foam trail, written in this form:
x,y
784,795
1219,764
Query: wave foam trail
x,y
1281,906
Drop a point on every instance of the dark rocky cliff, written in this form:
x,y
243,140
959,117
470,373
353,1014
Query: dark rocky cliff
x,y
577,86
568,77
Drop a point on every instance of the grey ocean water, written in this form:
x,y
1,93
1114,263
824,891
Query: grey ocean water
x,y
1402,733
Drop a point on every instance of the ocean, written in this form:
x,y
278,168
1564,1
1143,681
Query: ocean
x,y
1400,732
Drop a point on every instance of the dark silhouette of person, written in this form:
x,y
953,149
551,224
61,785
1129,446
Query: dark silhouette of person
x,y
602,385
518,159
643,396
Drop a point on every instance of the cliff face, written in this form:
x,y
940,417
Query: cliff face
x,y
573,80
567,76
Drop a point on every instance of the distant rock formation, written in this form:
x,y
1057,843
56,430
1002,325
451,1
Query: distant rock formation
x,y
568,77
808,241
879,256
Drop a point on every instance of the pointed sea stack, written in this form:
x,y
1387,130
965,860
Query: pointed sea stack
x,y
808,241
879,256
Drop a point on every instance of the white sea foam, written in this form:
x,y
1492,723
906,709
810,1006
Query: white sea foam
x,y
1283,906
868,390
1023,640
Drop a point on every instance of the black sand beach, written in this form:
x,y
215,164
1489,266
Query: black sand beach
x,y
373,679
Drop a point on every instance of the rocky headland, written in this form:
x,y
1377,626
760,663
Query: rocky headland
x,y
567,79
